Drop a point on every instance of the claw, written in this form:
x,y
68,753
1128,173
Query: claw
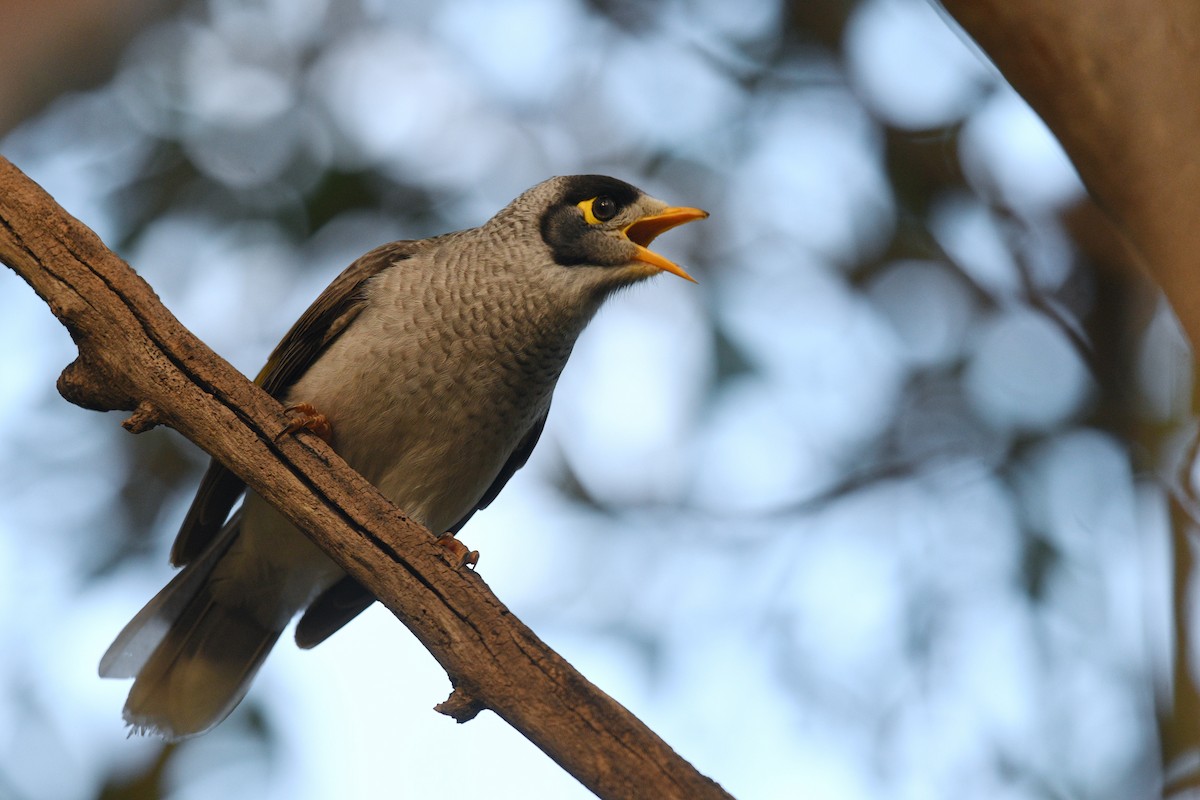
x,y
305,416
457,553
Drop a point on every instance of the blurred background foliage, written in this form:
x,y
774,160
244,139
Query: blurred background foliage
x,y
872,512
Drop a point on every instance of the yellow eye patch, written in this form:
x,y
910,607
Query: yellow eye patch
x,y
588,215
598,209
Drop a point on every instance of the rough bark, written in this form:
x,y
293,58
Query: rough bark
x,y
134,355
1118,82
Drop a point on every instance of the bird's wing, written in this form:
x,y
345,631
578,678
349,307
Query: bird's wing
x,y
347,598
329,316
326,319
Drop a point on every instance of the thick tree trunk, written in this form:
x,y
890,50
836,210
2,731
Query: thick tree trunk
x,y
1118,82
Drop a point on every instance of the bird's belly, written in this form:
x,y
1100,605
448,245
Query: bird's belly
x,y
435,467
432,446
426,401
438,461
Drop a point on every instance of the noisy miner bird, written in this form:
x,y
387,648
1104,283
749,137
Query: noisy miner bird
x,y
428,365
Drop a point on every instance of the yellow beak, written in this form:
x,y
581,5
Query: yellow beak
x,y
643,231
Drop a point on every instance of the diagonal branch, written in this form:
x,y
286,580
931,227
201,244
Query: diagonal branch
x,y
133,354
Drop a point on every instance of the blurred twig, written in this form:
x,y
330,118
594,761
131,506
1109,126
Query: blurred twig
x,y
1179,723
133,354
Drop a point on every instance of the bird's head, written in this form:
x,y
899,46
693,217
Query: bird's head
x,y
597,221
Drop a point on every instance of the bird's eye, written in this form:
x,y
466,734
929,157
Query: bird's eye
x,y
598,209
604,208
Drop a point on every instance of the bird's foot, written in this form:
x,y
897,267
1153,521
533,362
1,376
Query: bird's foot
x,y
457,553
305,417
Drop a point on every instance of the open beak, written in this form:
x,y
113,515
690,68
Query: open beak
x,y
643,231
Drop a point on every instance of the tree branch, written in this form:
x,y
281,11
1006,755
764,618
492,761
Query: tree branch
x,y
133,354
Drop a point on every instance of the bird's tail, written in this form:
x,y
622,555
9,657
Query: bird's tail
x,y
192,656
